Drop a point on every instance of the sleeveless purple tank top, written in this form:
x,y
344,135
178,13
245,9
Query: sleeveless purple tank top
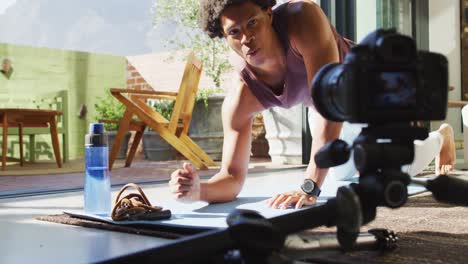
x,y
296,85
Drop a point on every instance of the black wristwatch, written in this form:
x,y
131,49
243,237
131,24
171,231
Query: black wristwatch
x,y
310,187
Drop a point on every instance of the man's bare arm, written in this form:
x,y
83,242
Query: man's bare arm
x,y
311,36
322,132
317,49
239,108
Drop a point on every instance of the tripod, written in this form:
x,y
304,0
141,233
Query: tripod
x,y
379,152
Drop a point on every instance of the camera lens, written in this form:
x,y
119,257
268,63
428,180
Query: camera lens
x,y
330,98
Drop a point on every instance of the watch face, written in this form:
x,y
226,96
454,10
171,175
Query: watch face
x,y
308,186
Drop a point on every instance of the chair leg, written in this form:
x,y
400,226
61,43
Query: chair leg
x,y
123,129
133,148
20,128
180,146
55,142
5,138
196,149
64,148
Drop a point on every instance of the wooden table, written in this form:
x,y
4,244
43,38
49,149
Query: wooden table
x,y
456,103
16,117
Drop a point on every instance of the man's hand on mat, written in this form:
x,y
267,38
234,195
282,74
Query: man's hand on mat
x,y
185,184
297,198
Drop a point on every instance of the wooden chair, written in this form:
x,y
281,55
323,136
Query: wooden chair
x,y
175,130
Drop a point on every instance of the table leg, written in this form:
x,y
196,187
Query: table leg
x,y
55,142
5,138
20,128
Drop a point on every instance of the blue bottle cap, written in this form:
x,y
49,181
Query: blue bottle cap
x,y
96,135
96,128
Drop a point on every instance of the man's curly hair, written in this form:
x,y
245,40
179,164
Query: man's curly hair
x,y
210,11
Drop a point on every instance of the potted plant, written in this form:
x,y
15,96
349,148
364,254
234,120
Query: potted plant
x,y
110,112
206,127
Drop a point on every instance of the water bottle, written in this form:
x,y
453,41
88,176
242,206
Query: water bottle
x,y
97,194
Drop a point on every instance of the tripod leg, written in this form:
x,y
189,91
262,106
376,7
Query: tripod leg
x,y
308,246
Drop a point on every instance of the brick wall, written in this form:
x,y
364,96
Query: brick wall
x,y
163,71
134,79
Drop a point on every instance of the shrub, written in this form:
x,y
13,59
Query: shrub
x,y
109,108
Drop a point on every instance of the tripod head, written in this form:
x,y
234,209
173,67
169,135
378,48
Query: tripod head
x,y
379,153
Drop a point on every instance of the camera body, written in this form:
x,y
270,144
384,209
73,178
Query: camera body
x,y
383,79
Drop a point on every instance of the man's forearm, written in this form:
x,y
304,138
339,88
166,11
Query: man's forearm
x,y
220,188
312,172
324,132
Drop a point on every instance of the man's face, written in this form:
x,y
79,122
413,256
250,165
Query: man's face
x,y
248,31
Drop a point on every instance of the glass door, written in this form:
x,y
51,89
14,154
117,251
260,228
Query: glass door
x,y
464,47
373,14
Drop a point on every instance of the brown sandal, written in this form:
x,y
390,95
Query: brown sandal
x,y
136,206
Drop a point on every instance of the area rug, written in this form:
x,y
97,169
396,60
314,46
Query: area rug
x,y
412,247
138,230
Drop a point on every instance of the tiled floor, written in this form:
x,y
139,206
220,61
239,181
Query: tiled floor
x,y
141,171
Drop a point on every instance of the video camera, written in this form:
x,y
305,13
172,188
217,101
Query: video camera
x,y
385,82
383,79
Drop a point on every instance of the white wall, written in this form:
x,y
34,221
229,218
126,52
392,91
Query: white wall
x,y
444,38
366,18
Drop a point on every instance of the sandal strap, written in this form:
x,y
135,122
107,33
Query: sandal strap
x,y
138,207
128,185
